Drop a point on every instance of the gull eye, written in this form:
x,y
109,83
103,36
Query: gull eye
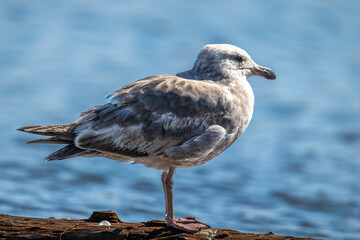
x,y
238,59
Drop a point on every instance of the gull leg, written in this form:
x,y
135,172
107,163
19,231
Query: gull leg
x,y
189,224
163,177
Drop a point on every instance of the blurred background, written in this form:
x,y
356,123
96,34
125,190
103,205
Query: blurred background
x,y
296,169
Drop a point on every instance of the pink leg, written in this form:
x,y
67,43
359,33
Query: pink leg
x,y
189,224
163,177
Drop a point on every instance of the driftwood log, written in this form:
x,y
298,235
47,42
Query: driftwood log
x,y
14,227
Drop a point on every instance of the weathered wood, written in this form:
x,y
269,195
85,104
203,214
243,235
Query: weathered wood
x,y
14,227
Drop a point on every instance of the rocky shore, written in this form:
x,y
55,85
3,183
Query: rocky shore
x,y
107,225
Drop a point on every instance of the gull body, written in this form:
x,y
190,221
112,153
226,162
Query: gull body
x,y
167,121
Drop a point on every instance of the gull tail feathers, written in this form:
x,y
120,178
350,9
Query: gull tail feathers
x,y
53,140
58,134
69,151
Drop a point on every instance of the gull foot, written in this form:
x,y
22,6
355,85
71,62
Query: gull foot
x,y
189,224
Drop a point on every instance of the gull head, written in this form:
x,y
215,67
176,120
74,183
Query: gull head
x,y
223,61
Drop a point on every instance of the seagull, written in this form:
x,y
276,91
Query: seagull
x,y
167,121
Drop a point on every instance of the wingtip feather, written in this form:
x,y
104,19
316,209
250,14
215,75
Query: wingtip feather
x,y
27,128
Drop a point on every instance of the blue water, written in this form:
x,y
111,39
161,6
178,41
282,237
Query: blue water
x,y
296,169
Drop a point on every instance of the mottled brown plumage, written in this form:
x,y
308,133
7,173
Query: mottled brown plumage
x,y
167,121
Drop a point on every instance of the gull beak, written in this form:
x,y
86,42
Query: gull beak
x,y
264,72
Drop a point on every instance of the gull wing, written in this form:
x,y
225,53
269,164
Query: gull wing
x,y
151,115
